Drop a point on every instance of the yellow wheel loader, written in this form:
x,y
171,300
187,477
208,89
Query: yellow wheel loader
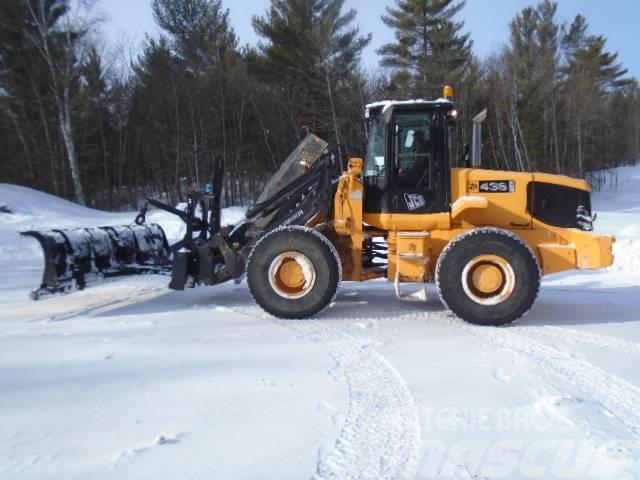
x,y
484,237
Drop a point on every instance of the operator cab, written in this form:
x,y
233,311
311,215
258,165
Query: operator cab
x,y
407,166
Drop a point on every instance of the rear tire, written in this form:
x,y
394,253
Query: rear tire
x,y
488,276
293,272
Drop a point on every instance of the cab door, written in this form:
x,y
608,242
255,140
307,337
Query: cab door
x,y
407,167
418,162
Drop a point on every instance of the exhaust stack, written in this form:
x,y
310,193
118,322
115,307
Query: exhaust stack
x,y
476,138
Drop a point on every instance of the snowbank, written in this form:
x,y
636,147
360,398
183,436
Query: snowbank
x,y
619,214
24,202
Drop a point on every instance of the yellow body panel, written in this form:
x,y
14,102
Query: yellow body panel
x,y
407,221
507,210
416,240
348,224
412,256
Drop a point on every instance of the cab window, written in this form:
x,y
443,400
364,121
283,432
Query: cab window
x,y
412,148
374,163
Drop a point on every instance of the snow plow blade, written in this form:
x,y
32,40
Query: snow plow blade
x,y
72,257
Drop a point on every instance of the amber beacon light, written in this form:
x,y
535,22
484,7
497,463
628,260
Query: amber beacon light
x,y
448,92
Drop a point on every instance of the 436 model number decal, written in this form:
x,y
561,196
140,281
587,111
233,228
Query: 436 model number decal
x,y
492,186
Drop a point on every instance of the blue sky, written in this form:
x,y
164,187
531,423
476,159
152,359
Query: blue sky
x,y
487,20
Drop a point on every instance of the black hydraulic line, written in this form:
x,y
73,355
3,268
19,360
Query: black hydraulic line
x,y
284,195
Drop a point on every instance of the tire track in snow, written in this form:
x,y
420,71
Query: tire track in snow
x,y
618,345
380,435
619,397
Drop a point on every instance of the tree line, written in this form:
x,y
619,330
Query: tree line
x,y
77,123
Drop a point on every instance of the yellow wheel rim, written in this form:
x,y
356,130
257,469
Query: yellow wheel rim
x,y
292,275
488,279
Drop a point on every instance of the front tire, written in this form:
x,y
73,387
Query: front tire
x,y
293,272
488,276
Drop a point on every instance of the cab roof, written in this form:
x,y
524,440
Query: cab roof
x,y
384,105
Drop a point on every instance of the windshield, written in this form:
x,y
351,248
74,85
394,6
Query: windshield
x,y
374,163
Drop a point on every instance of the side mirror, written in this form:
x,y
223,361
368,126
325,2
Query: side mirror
x,y
467,155
476,138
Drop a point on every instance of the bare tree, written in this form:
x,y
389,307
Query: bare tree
x,y
61,49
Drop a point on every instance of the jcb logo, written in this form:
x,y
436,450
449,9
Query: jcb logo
x,y
414,201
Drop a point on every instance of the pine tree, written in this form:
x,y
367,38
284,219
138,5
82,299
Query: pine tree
x,y
310,52
199,30
202,80
25,83
14,67
533,68
430,49
94,136
156,112
591,73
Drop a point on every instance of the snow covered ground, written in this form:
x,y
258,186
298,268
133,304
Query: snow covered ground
x,y
129,380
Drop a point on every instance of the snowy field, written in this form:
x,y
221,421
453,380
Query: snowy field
x,y
129,380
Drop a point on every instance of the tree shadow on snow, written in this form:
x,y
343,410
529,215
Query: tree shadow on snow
x,y
231,296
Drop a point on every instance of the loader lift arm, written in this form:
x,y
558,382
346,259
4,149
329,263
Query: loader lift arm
x,y
219,254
